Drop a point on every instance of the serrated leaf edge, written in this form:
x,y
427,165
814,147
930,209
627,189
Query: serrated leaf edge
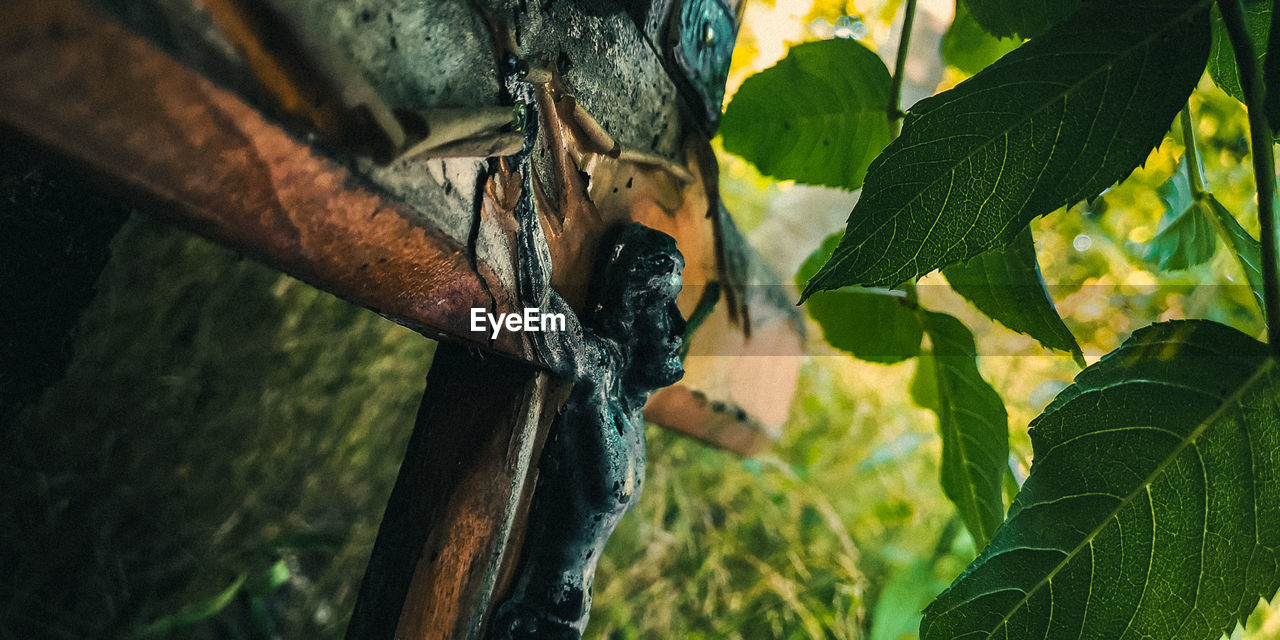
x,y
837,260
1145,485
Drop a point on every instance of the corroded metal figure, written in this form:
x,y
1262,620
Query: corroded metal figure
x,y
622,342
592,466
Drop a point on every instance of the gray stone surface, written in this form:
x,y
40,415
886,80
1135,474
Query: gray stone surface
x,y
438,53
415,54
612,70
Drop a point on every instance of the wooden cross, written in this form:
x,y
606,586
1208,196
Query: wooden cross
x,y
170,111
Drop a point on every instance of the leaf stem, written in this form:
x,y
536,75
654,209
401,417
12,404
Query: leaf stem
x,y
896,114
912,297
1264,169
1194,171
900,70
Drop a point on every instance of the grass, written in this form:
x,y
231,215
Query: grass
x,y
217,417
217,458
219,420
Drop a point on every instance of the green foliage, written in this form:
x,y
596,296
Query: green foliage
x,y
1185,239
973,424
256,586
817,117
1247,250
722,547
968,47
1222,58
924,385
1024,18
1054,122
873,325
1006,285
1150,510
1193,220
912,584
884,327
194,612
1186,236
898,611
1151,506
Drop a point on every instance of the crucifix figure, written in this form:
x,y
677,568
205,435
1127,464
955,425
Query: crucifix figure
x,y
592,466
267,125
618,349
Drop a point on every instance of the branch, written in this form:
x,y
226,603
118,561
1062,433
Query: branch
x,y
900,69
1264,170
896,114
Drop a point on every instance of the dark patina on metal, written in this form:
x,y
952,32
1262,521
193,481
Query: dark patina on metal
x,y
592,467
622,346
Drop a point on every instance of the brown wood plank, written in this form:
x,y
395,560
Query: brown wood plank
x,y
78,82
467,473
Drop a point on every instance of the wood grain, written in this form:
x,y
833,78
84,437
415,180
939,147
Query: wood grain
x,y
200,156
443,547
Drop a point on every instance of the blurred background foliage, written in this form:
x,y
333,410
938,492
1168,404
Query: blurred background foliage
x,y
217,458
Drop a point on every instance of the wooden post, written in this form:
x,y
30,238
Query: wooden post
x,y
468,471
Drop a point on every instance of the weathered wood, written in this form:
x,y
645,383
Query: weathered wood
x,y
392,239
466,475
736,392
200,156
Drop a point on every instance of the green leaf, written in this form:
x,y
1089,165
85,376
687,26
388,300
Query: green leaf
x,y
1185,237
969,48
1025,18
924,384
872,325
1247,250
1006,285
819,116
193,613
1153,506
973,425
1222,58
1175,193
1055,122
264,582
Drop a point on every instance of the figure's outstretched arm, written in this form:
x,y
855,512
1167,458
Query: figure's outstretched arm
x,y
561,351
572,514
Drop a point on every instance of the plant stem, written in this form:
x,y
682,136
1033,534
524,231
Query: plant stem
x,y
900,70
1264,169
1194,171
895,113
912,299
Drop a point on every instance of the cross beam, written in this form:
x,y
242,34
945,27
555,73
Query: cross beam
x,y
202,157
